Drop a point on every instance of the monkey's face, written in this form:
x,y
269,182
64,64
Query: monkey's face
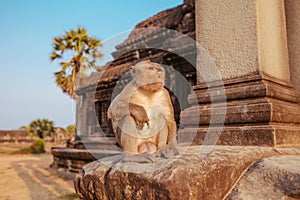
x,y
150,76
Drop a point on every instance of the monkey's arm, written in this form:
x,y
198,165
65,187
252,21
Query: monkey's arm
x,y
119,106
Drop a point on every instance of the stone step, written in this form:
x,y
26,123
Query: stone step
x,y
242,134
97,146
81,154
257,110
97,143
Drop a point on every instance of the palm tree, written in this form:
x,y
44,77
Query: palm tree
x,y
41,128
82,51
71,130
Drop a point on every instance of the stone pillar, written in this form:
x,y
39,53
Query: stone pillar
x,y
272,40
247,41
292,8
243,37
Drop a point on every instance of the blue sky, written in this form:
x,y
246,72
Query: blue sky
x,y
27,27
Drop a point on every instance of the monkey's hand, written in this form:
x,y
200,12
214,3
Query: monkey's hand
x,y
139,115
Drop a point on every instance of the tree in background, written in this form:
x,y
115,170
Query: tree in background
x,y
41,128
79,52
23,128
71,130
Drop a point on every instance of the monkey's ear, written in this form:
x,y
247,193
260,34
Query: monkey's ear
x,y
132,71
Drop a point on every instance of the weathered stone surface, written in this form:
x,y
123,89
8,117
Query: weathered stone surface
x,y
260,135
250,110
292,9
191,176
276,177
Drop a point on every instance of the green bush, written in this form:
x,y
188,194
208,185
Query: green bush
x,y
37,147
71,196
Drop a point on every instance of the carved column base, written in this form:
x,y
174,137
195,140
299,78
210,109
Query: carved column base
x,y
259,111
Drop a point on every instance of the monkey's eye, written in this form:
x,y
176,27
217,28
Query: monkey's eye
x,y
151,68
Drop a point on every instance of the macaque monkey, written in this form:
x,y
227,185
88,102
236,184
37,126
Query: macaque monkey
x,y
142,114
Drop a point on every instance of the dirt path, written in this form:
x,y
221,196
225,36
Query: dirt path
x,y
28,177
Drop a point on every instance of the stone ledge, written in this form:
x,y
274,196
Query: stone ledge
x,y
191,176
276,177
67,159
251,135
81,154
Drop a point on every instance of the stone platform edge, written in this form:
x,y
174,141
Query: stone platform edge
x,y
191,176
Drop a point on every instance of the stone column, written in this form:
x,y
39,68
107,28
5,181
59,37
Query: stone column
x,y
292,8
272,40
247,41
243,37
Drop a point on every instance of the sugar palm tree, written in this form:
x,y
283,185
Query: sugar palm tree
x,y
71,130
79,52
41,128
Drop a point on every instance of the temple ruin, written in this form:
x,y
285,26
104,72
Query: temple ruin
x,y
95,93
254,46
